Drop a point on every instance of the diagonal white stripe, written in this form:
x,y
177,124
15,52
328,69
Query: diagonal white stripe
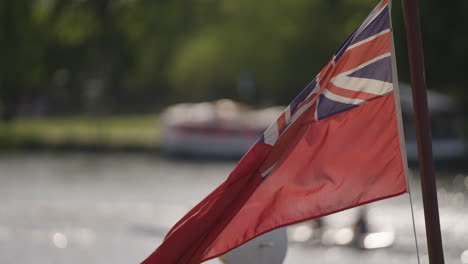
x,y
265,173
304,108
362,85
271,134
374,14
316,109
368,39
287,114
385,55
341,99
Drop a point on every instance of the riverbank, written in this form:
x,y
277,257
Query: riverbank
x,y
112,133
120,133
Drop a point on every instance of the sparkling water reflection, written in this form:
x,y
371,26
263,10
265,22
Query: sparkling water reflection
x,y
116,208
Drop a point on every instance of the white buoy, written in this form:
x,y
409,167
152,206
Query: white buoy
x,y
269,248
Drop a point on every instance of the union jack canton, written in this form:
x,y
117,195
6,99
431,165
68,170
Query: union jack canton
x,y
360,71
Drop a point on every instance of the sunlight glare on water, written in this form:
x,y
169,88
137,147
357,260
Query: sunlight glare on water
x,y
60,240
379,240
117,208
464,257
300,233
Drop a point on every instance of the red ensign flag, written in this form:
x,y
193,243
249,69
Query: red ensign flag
x,y
337,145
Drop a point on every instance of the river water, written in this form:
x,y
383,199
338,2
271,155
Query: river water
x,y
116,208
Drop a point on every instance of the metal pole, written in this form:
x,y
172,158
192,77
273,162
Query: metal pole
x,y
418,83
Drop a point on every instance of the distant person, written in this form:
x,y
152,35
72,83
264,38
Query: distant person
x,y
361,227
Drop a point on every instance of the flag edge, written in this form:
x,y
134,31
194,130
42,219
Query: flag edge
x,y
310,218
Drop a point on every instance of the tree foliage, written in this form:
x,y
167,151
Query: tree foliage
x,y
136,55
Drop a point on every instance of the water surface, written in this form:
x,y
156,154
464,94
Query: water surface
x,y
116,208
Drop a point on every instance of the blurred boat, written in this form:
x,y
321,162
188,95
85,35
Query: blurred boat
x,y
448,142
225,128
221,128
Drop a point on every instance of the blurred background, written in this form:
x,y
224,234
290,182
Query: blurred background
x,y
117,116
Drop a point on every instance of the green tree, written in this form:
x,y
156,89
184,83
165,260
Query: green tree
x,y
21,50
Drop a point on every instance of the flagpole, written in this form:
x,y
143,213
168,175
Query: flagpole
x,y
418,83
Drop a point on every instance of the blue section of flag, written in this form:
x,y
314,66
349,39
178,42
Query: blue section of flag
x,y
302,95
327,107
380,70
379,24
